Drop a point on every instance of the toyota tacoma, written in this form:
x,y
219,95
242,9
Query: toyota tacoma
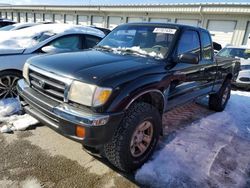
x,y
111,98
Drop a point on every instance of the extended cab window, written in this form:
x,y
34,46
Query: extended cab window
x,y
189,43
71,42
206,46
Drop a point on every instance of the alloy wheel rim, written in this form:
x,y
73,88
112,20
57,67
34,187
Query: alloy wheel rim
x,y
8,86
141,138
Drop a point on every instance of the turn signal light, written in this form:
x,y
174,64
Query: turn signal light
x,y
80,131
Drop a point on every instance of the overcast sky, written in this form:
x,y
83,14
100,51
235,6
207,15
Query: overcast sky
x,y
95,2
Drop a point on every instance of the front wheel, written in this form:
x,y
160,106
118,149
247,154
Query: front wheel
x,y
218,101
8,82
136,137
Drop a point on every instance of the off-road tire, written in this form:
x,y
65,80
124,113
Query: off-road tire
x,y
216,101
117,151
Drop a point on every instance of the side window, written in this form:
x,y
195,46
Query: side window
x,y
189,43
22,27
71,42
91,41
206,46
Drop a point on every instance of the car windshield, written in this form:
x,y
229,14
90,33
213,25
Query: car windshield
x,y
7,28
42,36
142,40
235,53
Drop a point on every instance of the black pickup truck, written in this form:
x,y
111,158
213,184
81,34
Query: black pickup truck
x,y
111,98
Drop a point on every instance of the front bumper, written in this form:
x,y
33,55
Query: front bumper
x,y
64,118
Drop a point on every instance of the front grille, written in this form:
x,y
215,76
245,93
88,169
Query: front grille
x,y
48,86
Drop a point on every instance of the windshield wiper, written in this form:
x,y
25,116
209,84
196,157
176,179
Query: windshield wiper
x,y
131,51
106,48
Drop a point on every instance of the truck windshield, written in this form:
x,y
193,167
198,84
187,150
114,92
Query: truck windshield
x,y
153,41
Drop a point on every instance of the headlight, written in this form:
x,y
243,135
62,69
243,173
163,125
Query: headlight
x,y
26,72
87,94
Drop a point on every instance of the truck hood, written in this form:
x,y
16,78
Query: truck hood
x,y
11,51
94,66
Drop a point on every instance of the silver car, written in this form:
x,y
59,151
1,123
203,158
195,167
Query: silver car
x,y
242,53
17,26
17,46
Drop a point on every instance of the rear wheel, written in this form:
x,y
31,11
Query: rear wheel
x,y
8,82
136,138
218,101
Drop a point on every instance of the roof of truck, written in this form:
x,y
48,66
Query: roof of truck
x,y
165,24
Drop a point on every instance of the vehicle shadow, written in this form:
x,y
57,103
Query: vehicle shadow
x,y
234,88
128,176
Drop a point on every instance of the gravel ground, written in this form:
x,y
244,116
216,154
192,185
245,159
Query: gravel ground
x,y
42,158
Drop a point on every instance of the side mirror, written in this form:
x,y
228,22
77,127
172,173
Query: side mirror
x,y
189,58
52,49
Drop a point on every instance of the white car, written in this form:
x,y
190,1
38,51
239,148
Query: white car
x,y
17,26
242,53
17,46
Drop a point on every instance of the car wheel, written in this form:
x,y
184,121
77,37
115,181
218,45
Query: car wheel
x,y
8,82
136,137
218,101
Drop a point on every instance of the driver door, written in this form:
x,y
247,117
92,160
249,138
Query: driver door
x,y
188,79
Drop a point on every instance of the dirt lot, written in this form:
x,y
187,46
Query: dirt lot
x,y
43,157
40,157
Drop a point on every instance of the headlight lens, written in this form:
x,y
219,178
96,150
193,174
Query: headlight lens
x,y
26,72
87,94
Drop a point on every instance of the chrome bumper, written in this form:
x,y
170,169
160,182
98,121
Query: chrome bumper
x,y
70,113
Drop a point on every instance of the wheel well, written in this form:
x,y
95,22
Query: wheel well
x,y
229,76
156,99
12,70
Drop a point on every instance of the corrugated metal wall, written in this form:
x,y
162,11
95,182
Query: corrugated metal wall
x,y
208,16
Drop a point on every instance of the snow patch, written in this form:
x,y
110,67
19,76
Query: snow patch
x,y
248,129
31,36
9,107
141,51
11,122
138,50
18,123
186,161
31,183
